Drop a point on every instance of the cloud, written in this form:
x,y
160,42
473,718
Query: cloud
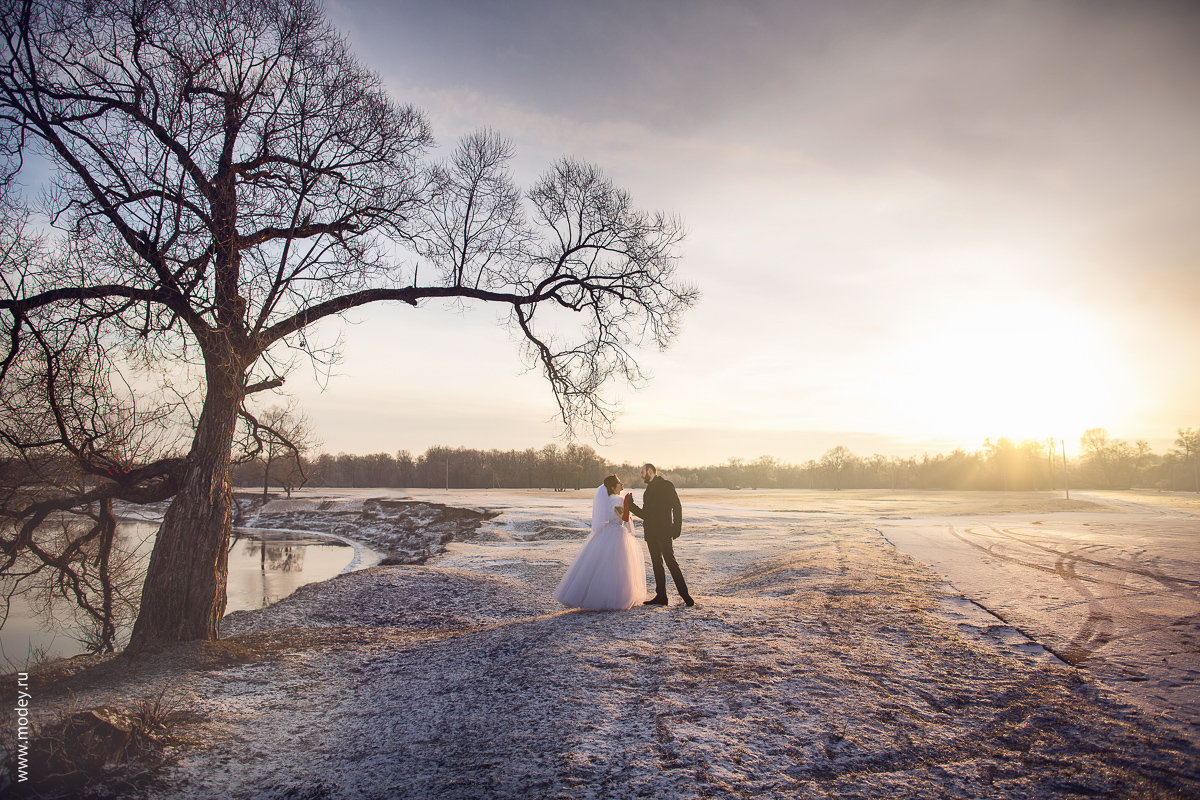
x,y
858,179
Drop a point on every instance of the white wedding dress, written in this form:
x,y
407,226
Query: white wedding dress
x,y
609,574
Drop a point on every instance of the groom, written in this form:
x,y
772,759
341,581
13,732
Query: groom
x,y
662,521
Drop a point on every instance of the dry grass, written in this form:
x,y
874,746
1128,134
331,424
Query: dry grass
x,y
104,751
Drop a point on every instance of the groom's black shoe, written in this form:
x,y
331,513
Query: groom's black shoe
x,y
688,601
657,600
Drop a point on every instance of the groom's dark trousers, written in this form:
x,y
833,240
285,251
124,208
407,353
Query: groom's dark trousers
x,y
662,520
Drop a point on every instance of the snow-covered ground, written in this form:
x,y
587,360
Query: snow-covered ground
x,y
1114,591
821,660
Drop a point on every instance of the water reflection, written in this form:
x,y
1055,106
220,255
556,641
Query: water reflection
x,y
264,567
267,566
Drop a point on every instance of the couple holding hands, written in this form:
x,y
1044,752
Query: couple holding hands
x,y
610,571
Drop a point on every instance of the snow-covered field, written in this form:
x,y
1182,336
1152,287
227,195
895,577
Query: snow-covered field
x,y
1114,591
821,659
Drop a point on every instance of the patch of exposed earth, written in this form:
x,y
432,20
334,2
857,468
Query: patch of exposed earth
x,y
404,531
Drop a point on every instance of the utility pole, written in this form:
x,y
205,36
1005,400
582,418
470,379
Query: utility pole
x,y
1066,482
1050,462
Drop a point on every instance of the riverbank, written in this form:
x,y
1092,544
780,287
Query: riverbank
x,y
818,662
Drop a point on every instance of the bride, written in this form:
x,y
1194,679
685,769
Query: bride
x,y
610,571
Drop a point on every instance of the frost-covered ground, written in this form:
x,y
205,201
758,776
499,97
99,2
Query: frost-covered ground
x,y
819,661
1115,592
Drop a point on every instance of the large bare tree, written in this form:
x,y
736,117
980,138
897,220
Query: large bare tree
x,y
226,174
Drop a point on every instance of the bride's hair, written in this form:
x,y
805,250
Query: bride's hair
x,y
610,483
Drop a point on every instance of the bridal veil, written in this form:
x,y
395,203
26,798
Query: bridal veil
x,y
602,508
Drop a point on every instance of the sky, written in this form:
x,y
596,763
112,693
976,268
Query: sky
x,y
915,225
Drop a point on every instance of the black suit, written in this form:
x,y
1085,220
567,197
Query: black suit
x,y
662,520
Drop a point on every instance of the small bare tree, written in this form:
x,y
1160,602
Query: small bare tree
x,y
1189,449
227,175
279,438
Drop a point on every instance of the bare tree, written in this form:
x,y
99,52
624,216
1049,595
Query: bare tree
x,y
279,436
1189,449
1109,463
229,175
835,462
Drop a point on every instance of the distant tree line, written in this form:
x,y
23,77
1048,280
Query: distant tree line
x,y
1001,464
552,467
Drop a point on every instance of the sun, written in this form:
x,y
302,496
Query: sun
x,y
1016,370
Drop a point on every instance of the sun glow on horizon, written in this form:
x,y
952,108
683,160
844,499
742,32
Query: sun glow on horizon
x,y
1017,370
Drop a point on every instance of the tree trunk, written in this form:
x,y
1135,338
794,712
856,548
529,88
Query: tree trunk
x,y
267,474
108,627
183,597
